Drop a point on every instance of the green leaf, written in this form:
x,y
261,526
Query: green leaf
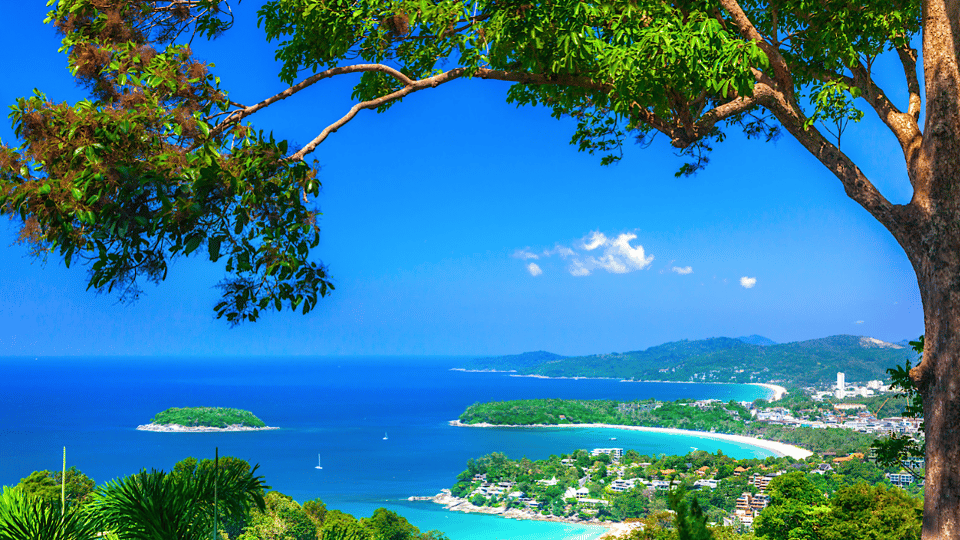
x,y
213,247
193,242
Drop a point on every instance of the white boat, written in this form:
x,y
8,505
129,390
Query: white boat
x,y
319,466
385,435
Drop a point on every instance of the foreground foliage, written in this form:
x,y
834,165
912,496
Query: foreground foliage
x,y
799,510
29,517
184,504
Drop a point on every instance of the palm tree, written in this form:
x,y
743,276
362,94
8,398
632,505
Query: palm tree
x,y
156,505
27,517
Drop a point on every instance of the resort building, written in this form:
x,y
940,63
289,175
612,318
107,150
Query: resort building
x,y
620,485
900,480
614,453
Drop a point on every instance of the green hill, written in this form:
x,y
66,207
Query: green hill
x,y
802,363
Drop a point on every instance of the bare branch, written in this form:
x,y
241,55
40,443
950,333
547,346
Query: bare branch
x,y
238,115
413,86
908,57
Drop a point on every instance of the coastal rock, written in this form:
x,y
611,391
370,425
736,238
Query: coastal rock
x,y
177,428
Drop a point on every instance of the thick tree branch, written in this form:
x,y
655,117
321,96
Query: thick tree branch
x,y
642,113
855,183
781,72
535,78
904,126
722,112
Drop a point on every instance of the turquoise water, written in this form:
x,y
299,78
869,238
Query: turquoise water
x,y
339,408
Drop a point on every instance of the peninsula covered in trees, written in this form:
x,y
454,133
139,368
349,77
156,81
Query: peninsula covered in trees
x,y
204,419
731,418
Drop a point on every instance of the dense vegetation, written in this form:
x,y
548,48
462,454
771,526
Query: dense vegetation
x,y
803,363
854,489
800,510
683,414
220,417
732,418
179,505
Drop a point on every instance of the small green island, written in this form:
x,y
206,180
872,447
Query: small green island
x,y
204,419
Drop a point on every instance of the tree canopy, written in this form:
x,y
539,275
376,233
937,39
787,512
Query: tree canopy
x,y
160,163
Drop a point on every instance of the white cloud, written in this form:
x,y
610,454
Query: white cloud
x,y
562,251
682,271
534,269
619,257
524,254
578,269
596,240
748,282
597,251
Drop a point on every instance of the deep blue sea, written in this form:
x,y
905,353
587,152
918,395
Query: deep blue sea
x,y
338,408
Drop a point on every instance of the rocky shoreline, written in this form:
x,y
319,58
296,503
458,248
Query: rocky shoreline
x,y
457,504
177,428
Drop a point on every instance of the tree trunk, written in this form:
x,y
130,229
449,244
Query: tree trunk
x,y
932,242
938,378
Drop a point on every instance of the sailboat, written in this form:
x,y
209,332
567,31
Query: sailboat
x,y
385,435
319,466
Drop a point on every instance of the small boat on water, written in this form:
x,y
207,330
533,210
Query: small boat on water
x,y
385,435
613,438
319,465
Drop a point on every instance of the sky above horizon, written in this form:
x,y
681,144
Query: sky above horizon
x,y
458,224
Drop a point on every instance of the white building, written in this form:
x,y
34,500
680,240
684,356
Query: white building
x,y
615,453
840,384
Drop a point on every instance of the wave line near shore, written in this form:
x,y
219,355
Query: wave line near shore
x,y
778,448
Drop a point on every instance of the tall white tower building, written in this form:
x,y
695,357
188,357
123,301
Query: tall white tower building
x,y
840,385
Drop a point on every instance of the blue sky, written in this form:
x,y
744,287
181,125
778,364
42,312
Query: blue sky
x,y
434,212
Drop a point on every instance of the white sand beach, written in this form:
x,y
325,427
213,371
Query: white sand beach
x,y
177,428
778,448
778,391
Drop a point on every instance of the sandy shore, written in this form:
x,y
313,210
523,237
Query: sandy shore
x,y
177,428
778,391
778,448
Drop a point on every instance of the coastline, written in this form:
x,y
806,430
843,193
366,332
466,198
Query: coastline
x,y
177,428
465,370
778,391
778,448
456,504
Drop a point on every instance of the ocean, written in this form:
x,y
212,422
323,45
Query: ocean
x,y
378,424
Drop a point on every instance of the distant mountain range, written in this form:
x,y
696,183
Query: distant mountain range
x,y
745,359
